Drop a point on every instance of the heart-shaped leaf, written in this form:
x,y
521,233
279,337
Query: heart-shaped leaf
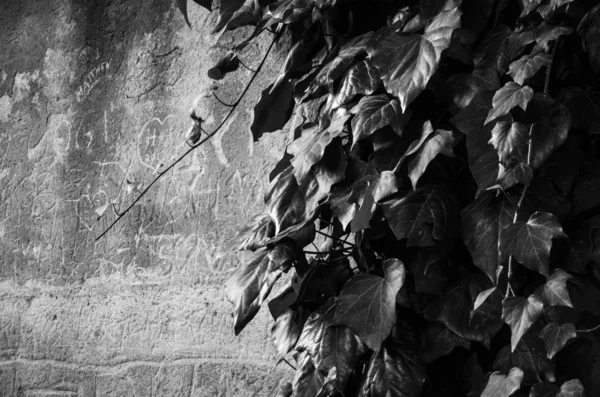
x,y
530,356
375,112
510,140
508,97
406,63
549,6
530,242
556,337
361,79
555,292
482,223
255,234
273,110
520,314
516,172
483,158
286,330
500,385
584,107
543,389
251,284
440,142
551,129
308,380
527,66
571,388
546,33
422,216
338,65
393,370
438,341
310,147
589,31
226,9
367,303
454,310
330,346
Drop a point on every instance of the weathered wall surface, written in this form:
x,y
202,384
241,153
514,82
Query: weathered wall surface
x,y
94,97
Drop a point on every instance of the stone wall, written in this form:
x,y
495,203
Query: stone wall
x,y
94,99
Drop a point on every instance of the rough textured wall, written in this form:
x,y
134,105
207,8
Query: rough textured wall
x,y
94,97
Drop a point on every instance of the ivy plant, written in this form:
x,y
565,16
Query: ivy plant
x,y
433,229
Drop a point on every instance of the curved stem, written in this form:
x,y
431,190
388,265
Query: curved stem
x,y
221,102
187,152
246,66
589,330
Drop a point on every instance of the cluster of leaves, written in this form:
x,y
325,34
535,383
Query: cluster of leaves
x,y
433,228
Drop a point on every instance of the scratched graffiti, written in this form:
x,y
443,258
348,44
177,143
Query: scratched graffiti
x,y
91,80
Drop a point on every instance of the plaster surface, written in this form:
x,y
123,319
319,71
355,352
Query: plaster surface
x,y
95,99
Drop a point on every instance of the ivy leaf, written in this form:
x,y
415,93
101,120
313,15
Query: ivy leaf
x,y
571,388
362,186
556,337
226,10
299,58
406,63
520,314
251,284
482,223
483,159
527,66
510,140
286,330
255,234
508,97
555,292
273,110
375,112
367,303
584,107
586,193
393,370
500,385
361,79
227,64
336,67
310,147
543,389
330,346
589,30
454,310
308,380
438,341
551,128
426,131
547,33
580,246
422,216
530,242
250,13
517,172
584,294
530,356
548,7
441,142
182,5
290,11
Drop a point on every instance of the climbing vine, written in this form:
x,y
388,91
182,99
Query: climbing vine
x,y
434,227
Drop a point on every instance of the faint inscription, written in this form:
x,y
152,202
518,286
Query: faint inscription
x,y
91,80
